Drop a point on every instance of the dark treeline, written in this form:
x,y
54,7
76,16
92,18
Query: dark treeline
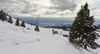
x,y
60,27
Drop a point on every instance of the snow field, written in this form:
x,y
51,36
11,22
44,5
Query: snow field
x,y
19,40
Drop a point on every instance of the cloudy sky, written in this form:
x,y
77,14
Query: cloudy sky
x,y
48,8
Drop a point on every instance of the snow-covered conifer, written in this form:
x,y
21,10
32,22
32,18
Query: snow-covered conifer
x,y
36,28
17,22
10,20
23,24
82,29
3,15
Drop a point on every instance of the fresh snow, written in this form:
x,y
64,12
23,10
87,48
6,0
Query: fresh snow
x,y
19,40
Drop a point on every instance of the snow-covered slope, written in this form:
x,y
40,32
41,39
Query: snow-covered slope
x,y
19,40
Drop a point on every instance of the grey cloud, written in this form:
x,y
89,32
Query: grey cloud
x,y
17,6
5,0
62,14
28,8
34,10
50,13
94,8
47,13
8,5
54,12
63,5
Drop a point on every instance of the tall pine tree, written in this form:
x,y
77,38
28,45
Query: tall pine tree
x,y
82,30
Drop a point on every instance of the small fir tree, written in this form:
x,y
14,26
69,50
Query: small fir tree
x,y
68,26
3,15
82,30
17,22
10,20
23,24
64,27
36,28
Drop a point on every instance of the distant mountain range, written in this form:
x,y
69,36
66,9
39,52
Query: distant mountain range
x,y
43,22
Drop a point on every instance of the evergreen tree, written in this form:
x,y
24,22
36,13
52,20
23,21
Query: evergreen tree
x,y
64,27
36,28
10,20
17,22
82,30
23,24
68,26
3,15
